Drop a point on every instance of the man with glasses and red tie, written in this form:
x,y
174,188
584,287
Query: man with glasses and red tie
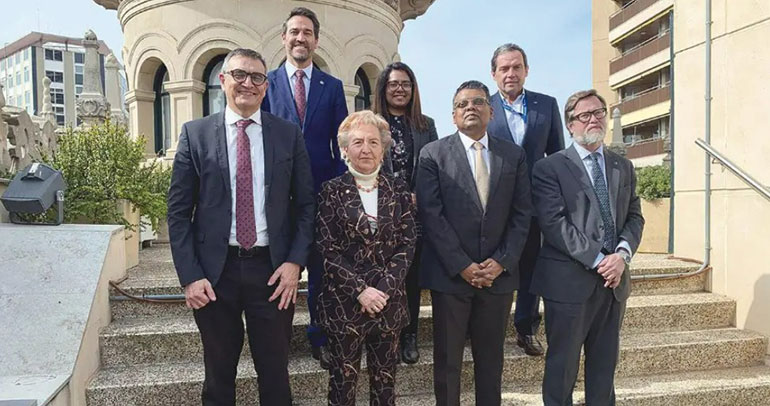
x,y
315,101
475,207
586,203
240,216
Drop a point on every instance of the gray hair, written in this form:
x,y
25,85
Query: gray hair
x,y
359,118
509,47
244,52
573,100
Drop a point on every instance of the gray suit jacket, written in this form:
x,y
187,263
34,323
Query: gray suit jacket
x,y
568,212
200,197
457,229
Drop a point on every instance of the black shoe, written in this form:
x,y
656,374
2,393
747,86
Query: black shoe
x,y
321,354
409,352
530,344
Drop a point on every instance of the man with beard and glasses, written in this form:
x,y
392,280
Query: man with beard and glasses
x,y
315,101
591,219
475,207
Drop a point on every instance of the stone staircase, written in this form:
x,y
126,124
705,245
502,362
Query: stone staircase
x,y
679,347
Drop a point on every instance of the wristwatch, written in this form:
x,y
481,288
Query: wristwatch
x,y
625,255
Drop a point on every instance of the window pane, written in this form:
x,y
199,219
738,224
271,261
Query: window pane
x,y
26,54
79,58
18,78
78,69
213,79
78,79
57,55
217,101
49,55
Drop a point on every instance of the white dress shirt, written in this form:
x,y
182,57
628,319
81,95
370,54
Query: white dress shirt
x,y
470,152
291,70
585,156
254,132
515,118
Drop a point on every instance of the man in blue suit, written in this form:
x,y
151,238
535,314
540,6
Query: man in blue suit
x,y
314,100
532,121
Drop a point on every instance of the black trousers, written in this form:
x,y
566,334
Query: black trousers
x,y
241,289
569,327
526,315
413,291
486,315
381,361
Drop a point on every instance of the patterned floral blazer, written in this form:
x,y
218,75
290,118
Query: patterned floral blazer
x,y
355,258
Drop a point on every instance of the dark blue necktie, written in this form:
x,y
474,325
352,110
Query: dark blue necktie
x,y
600,187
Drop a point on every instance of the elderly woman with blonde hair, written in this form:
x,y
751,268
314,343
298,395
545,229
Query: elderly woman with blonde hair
x,y
365,230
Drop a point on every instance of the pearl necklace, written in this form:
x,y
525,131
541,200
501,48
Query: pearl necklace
x,y
368,189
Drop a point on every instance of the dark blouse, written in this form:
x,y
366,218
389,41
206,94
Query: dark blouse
x,y
402,149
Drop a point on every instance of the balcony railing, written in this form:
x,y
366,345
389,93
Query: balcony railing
x,y
646,98
640,52
645,148
631,9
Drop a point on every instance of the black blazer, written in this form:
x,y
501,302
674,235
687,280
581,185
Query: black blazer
x,y
569,216
420,139
199,199
456,228
544,135
355,258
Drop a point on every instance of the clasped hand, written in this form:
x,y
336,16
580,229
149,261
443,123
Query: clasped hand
x,y
482,275
372,301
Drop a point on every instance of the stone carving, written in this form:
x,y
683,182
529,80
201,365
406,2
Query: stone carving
x,y
47,112
23,138
617,145
112,88
92,106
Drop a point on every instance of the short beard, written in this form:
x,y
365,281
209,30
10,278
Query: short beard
x,y
590,138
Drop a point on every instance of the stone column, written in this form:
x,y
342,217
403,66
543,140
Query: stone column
x,y
351,91
186,105
92,106
140,114
112,88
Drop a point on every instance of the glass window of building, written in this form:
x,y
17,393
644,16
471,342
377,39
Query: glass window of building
x,y
18,58
364,96
213,98
26,54
78,90
18,78
78,78
26,74
56,77
27,97
162,109
53,55
80,57
57,96
2,64
10,82
79,69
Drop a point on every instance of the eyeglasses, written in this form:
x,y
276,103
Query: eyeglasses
x,y
476,101
585,116
241,75
406,85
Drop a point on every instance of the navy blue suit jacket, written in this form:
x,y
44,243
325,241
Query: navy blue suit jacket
x,y
544,135
326,109
200,197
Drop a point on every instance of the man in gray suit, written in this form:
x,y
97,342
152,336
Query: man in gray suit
x,y
475,207
591,219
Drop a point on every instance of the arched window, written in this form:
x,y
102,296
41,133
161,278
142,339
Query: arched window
x,y
162,112
214,99
364,96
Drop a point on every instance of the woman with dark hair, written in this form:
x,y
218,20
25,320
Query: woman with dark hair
x,y
397,99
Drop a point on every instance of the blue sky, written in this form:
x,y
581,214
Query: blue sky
x,y
451,43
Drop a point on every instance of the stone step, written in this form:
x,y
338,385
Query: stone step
x,y
641,354
173,338
725,387
154,276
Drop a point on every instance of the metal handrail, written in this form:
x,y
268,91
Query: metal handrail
x,y
641,44
735,169
643,93
623,8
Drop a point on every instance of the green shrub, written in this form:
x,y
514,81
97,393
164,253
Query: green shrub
x,y
103,165
653,182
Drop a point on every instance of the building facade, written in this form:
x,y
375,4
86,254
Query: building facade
x,y
173,52
632,69
25,62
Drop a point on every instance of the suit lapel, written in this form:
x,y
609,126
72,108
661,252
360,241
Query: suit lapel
x,y
533,111
464,171
269,147
578,169
498,119
221,142
283,87
385,205
317,85
496,166
612,168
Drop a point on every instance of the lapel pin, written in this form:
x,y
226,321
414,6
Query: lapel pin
x,y
321,82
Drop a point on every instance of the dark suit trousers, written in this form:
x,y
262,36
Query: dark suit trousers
x,y
315,270
594,324
486,315
381,361
526,316
413,290
243,288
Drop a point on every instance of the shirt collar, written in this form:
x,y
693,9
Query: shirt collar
x,y
518,104
584,153
291,69
468,141
232,117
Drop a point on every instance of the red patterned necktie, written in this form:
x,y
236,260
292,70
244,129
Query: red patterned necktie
x,y
299,95
245,224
